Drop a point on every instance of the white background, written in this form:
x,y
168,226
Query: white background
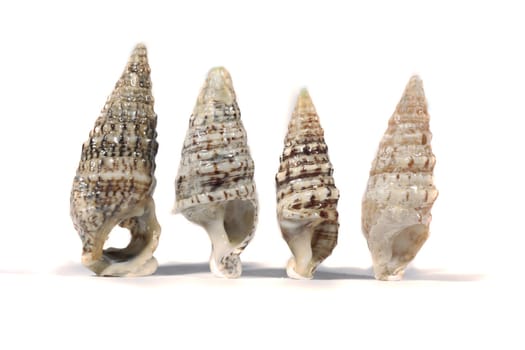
x,y
59,62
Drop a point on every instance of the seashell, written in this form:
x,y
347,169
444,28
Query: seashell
x,y
214,185
115,179
400,191
306,193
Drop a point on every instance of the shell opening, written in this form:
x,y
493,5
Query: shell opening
x,y
408,241
404,247
131,250
229,225
117,241
298,236
239,216
136,258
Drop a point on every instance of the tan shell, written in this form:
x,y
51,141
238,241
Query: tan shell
x,y
400,192
214,185
306,193
115,179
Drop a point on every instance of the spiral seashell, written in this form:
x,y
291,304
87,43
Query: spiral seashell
x,y
306,193
400,192
115,179
214,185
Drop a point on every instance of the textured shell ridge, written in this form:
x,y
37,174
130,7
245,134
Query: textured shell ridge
x,y
216,140
400,191
215,175
115,179
306,193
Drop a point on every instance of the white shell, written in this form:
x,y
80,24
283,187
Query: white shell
x,y
306,193
115,179
214,185
400,191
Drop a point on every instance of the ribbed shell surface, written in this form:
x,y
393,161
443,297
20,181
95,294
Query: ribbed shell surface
x,y
215,160
400,192
306,190
116,169
402,171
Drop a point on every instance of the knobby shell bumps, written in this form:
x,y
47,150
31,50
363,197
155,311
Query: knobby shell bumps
x,y
214,185
115,177
400,191
306,193
215,189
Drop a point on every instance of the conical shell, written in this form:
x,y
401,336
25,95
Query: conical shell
x,y
400,192
214,185
306,193
115,179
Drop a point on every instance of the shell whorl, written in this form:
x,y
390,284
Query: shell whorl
x,y
115,176
306,193
402,171
122,146
400,191
215,163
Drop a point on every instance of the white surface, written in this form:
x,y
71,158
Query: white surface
x,y
59,63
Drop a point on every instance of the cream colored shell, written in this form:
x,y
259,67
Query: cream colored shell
x,y
306,193
115,179
400,191
214,185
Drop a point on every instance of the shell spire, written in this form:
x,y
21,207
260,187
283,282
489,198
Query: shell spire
x,y
304,118
214,185
304,104
218,87
306,193
134,84
413,98
115,179
400,191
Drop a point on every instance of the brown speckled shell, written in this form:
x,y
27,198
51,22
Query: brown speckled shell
x,y
215,160
306,193
215,177
400,191
115,177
